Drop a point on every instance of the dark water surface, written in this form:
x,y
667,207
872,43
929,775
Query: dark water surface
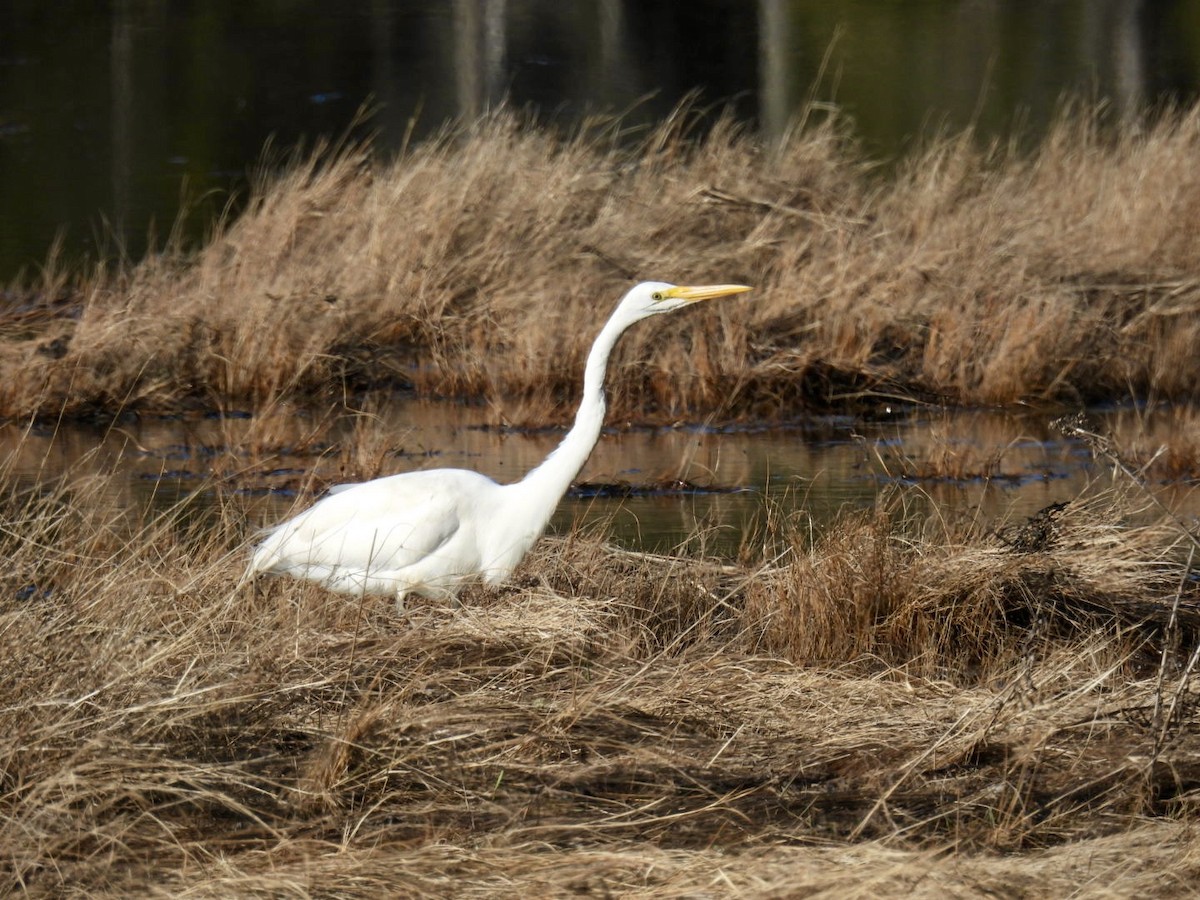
x,y
981,466
116,114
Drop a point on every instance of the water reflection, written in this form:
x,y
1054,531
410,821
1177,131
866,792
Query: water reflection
x,y
111,113
976,465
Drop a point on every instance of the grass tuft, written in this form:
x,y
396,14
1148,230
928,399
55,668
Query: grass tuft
x,y
481,264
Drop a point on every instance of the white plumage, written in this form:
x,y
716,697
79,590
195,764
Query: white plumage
x,y
432,532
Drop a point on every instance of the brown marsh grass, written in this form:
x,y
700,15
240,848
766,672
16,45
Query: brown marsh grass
x,y
480,265
895,706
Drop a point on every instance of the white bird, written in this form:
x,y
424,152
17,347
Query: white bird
x,y
434,531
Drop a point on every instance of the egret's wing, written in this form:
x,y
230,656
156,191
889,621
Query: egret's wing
x,y
370,527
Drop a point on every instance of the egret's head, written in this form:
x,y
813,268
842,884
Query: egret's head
x,y
652,298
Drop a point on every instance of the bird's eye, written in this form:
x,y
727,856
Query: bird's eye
x,y
656,296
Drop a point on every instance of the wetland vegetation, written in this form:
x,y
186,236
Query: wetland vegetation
x,y
480,265
899,700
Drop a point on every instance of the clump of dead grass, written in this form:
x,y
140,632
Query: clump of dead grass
x,y
969,603
612,722
480,265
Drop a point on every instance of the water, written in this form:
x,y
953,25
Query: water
x,y
982,466
116,116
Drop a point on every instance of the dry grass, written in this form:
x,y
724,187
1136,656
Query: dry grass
x,y
480,266
897,707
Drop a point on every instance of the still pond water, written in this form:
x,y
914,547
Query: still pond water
x,y
119,114
649,489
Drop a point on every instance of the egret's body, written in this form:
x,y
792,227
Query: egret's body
x,y
432,532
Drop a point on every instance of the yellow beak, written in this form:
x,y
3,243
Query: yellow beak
x,y
705,292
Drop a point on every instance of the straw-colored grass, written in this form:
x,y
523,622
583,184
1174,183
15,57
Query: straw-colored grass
x,y
896,708
898,705
481,265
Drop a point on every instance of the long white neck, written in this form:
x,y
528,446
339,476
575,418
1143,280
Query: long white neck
x,y
542,488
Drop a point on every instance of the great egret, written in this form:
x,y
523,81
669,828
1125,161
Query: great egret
x,y
431,532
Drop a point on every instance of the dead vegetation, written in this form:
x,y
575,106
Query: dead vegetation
x,y
898,705
480,266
